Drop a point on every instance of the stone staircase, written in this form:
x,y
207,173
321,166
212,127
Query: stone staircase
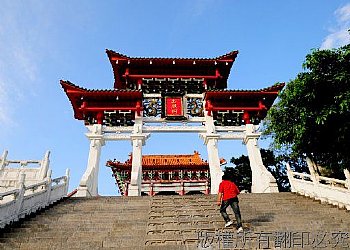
x,y
282,220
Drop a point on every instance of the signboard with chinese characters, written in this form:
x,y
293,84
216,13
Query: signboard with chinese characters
x,y
174,106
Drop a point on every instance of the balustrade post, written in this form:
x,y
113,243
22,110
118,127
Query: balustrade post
x,y
290,177
3,160
20,196
347,176
67,181
44,166
315,178
312,170
48,186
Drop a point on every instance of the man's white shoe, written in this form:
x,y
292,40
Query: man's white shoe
x,y
239,230
228,224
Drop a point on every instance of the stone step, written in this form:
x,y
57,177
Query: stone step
x,y
165,222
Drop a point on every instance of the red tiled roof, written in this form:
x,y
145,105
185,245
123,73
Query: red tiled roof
x,y
274,89
116,55
69,86
179,160
99,98
215,70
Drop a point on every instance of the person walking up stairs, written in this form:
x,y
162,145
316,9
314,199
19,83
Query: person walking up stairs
x,y
227,196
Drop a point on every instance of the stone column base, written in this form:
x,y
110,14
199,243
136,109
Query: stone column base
x,y
82,192
133,190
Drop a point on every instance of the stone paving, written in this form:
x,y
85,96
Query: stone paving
x,y
271,221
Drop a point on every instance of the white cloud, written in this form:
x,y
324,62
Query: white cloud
x,y
339,35
5,118
18,61
343,13
199,7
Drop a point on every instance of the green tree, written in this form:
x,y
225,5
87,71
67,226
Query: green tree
x,y
242,173
312,115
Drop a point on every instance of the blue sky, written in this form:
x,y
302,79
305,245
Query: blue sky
x,y
42,42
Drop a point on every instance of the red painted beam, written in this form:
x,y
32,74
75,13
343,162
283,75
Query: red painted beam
x,y
97,109
238,108
239,93
172,76
234,109
104,93
209,107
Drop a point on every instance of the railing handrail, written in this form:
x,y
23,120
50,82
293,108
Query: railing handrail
x,y
314,187
10,192
301,174
59,179
72,193
21,205
332,180
36,185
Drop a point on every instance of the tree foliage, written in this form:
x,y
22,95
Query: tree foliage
x,y
312,115
242,174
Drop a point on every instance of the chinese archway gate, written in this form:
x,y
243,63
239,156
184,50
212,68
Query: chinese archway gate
x,y
182,95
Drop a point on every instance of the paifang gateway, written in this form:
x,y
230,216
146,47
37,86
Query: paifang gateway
x,y
170,95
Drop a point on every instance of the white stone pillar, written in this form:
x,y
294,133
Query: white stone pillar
x,y
138,139
262,179
211,139
136,169
214,163
89,182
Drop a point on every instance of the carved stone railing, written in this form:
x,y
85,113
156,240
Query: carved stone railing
x,y
11,170
17,203
328,190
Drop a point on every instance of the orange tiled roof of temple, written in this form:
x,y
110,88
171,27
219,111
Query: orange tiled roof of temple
x,y
173,160
165,160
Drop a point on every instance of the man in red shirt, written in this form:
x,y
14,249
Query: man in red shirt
x,y
227,196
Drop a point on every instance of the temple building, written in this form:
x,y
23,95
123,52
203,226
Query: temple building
x,y
165,174
170,95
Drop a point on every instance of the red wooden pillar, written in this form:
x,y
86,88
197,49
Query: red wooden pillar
x,y
138,108
209,107
99,117
205,84
246,117
151,192
182,188
139,83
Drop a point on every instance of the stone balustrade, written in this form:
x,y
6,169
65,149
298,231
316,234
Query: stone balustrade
x,y
328,190
28,187
24,200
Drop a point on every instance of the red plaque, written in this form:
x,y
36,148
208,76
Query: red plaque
x,y
173,106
